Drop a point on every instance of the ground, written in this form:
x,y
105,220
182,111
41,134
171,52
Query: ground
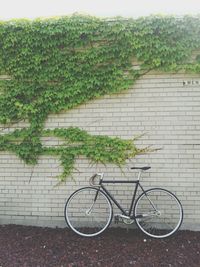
x,y
26,246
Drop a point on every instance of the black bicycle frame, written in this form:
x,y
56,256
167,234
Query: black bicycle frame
x,y
137,184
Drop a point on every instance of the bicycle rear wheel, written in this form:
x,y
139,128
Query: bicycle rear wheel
x,y
158,213
88,211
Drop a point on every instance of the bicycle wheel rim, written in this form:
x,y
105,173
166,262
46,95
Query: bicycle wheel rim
x,y
86,217
161,223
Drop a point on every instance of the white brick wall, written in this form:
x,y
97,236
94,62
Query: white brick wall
x,y
165,107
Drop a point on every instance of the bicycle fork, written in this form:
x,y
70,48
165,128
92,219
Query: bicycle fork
x,y
95,198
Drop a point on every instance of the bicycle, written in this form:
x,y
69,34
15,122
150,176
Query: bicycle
x,y
157,212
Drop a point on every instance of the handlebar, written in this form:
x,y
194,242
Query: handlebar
x,y
91,180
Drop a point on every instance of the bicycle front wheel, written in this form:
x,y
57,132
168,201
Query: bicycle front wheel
x,y
88,211
158,213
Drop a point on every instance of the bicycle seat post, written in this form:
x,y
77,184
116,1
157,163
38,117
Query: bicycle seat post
x,y
139,174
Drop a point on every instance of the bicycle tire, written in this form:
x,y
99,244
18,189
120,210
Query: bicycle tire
x,y
85,216
158,213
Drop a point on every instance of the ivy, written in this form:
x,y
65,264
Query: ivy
x,y
57,64
100,149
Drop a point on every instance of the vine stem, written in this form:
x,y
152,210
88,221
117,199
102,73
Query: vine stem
x,y
31,175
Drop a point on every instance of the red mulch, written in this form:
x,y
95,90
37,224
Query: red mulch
x,y
26,246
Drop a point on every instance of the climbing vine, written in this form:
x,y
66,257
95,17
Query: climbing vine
x,y
56,64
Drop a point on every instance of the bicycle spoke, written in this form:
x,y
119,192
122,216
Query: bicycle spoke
x,y
165,220
85,216
168,224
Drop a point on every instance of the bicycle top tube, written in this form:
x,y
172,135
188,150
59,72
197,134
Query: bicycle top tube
x,y
101,175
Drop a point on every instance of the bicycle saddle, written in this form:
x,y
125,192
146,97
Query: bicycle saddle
x,y
141,168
